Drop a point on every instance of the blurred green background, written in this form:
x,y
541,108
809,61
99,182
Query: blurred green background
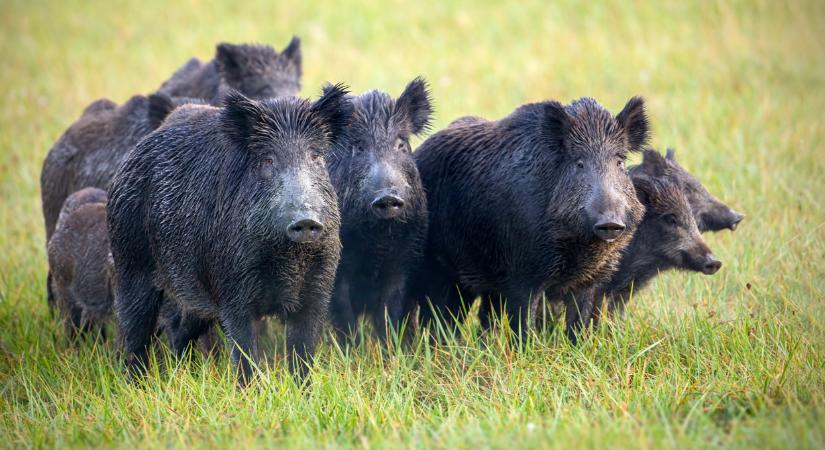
x,y
738,88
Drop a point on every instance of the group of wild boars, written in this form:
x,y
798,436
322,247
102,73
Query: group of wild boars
x,y
90,150
231,200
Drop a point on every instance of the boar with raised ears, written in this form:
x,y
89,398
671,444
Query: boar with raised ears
x,y
229,212
710,213
383,207
539,200
90,150
256,71
668,236
78,262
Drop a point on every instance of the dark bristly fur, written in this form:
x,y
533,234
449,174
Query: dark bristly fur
x,y
78,259
373,161
202,211
90,150
256,71
514,205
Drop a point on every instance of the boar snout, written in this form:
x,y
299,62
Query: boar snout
x,y
609,229
388,206
735,219
305,230
608,210
711,265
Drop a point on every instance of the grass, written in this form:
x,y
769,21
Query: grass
x,y
735,360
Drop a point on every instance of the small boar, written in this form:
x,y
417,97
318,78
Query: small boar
x,y
78,261
229,212
256,71
383,208
539,200
710,213
90,150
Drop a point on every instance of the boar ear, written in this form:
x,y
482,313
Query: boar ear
x,y
653,164
334,108
240,116
670,154
416,104
229,60
633,121
160,105
645,188
293,51
556,122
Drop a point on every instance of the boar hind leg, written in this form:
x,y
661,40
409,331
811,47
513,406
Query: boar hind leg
x,y
137,305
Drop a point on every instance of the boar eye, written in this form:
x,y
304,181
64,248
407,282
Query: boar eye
x,y
358,148
621,160
671,219
580,164
400,145
315,156
267,164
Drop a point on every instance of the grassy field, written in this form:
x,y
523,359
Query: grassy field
x,y
735,360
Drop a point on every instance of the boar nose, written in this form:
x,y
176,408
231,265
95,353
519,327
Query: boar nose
x,y
711,265
609,229
388,206
736,218
304,230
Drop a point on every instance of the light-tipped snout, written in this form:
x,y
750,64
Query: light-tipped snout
x,y
304,230
735,219
388,206
609,230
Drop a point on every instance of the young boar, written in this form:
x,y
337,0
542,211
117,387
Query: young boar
x,y
256,71
539,200
90,150
383,208
229,212
78,261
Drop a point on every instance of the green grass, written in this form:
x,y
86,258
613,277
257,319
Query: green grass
x,y
733,360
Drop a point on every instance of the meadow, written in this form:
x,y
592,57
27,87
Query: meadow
x,y
734,360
